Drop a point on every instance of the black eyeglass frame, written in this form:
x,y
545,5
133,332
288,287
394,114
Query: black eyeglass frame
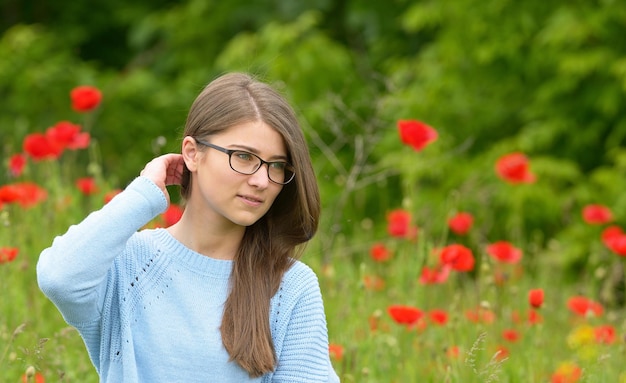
x,y
269,163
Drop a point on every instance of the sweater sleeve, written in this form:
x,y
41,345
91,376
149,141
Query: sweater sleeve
x,y
72,272
304,355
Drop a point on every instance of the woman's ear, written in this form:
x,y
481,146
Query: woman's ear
x,y
190,153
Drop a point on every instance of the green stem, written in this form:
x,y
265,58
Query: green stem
x,y
16,332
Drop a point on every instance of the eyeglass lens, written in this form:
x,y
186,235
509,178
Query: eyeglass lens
x,y
248,163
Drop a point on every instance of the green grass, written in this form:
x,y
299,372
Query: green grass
x,y
393,353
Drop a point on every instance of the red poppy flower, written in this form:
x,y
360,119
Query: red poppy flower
x,y
511,335
596,214
68,136
501,353
30,194
438,316
9,194
618,245
85,98
461,223
435,275
480,315
420,325
459,257
416,134
605,334
37,378
87,185
534,317
373,283
26,194
39,147
535,298
615,240
8,254
379,252
335,351
17,162
514,168
453,352
583,306
376,324
399,224
504,251
403,314
516,317
172,214
611,232
567,373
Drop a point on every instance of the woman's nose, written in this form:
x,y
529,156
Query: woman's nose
x,y
260,178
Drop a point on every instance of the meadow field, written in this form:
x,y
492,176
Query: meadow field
x,y
409,298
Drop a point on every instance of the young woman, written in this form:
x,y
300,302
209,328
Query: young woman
x,y
219,296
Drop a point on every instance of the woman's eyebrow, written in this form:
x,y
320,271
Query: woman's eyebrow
x,y
255,151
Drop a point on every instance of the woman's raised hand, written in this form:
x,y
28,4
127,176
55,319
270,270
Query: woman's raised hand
x,y
165,170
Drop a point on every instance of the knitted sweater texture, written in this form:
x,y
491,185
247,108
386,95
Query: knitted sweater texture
x,y
149,309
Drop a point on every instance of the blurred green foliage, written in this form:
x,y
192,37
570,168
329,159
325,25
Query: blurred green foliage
x,y
547,78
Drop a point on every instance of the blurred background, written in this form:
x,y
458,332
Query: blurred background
x,y
546,78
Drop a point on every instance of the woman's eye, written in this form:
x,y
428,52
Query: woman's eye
x,y
278,165
244,156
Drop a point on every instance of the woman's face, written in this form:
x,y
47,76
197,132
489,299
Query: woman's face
x,y
221,194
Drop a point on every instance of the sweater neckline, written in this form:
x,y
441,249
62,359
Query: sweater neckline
x,y
193,260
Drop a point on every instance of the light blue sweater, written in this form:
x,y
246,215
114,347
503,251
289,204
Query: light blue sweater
x,y
149,309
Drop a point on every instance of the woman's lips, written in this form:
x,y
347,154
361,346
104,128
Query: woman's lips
x,y
251,200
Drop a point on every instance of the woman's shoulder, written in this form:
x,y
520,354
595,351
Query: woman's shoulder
x,y
141,248
299,280
141,259
298,300
299,271
142,239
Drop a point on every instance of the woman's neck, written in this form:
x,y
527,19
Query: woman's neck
x,y
212,239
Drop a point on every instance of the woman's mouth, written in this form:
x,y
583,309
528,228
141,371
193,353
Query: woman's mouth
x,y
251,200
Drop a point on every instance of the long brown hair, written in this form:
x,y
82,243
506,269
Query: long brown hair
x,y
270,245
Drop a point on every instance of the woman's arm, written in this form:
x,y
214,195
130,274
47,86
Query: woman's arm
x,y
303,355
72,272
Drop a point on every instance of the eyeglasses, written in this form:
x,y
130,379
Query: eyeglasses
x,y
243,162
